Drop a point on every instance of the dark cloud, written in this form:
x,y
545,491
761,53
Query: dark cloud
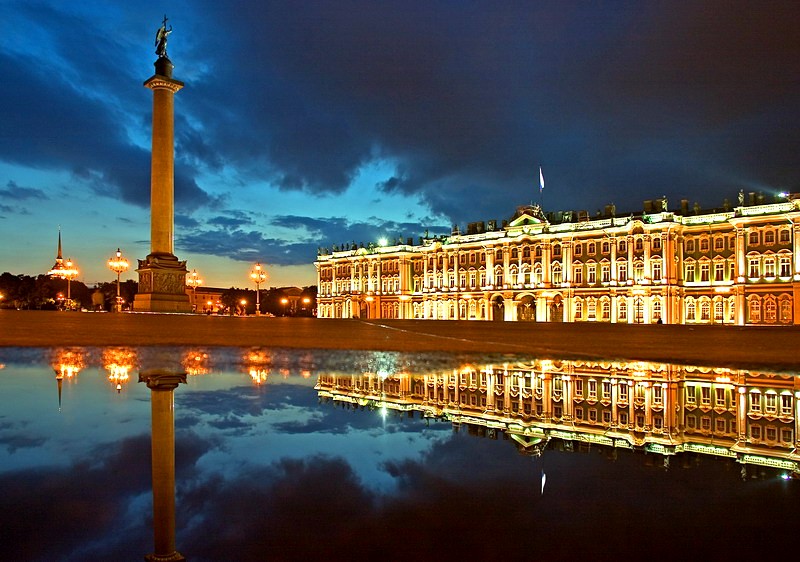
x,y
230,240
20,193
617,103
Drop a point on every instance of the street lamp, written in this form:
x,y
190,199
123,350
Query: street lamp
x,y
65,270
244,307
193,281
258,275
284,302
118,264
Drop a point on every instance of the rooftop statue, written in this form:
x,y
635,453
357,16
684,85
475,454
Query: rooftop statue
x,y
161,39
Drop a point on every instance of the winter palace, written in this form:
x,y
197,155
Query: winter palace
x,y
734,265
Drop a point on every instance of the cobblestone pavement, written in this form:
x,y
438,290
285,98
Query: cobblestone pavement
x,y
726,346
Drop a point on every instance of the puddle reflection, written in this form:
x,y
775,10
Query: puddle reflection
x,y
264,445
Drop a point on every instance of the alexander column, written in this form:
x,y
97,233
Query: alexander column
x,y
162,277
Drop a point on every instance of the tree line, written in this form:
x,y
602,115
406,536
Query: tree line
x,y
42,292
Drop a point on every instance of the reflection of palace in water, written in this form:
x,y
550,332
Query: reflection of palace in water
x,y
748,416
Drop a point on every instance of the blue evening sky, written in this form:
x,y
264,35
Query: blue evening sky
x,y
307,124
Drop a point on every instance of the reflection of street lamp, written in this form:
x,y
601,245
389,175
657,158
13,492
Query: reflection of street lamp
x,y
118,264
193,280
258,275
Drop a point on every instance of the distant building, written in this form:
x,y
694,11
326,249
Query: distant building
x,y
727,266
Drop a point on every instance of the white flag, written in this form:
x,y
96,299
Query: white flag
x,y
541,180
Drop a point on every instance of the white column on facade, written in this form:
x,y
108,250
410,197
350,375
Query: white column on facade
x,y
425,272
613,259
490,280
506,265
648,270
741,265
630,257
546,265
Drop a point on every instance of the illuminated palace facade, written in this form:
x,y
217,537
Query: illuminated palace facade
x,y
748,416
736,266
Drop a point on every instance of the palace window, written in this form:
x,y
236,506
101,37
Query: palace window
x,y
769,267
638,271
755,402
719,271
786,310
770,310
656,242
591,309
772,433
755,433
578,249
718,312
705,396
622,313
705,311
606,247
704,245
786,435
770,403
719,397
656,270
591,274
638,245
754,310
578,310
592,389
769,237
623,246
689,276
658,395
592,415
606,307
720,425
623,418
691,311
690,245
754,268
579,413
606,416
719,243
605,272
622,272
579,388
785,266
623,393
691,422
556,250
752,238
656,309
557,273
691,395
785,236
705,423
577,273
591,248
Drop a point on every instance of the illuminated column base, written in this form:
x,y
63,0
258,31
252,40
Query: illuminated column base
x,y
162,384
162,285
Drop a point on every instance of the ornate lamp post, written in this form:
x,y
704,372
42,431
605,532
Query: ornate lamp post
x,y
118,264
193,280
65,270
258,275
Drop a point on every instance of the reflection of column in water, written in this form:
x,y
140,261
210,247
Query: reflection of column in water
x,y
162,384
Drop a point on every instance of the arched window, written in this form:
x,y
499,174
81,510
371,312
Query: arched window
x,y
718,311
770,310
754,310
557,273
691,311
657,309
786,309
622,312
578,309
606,310
705,310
